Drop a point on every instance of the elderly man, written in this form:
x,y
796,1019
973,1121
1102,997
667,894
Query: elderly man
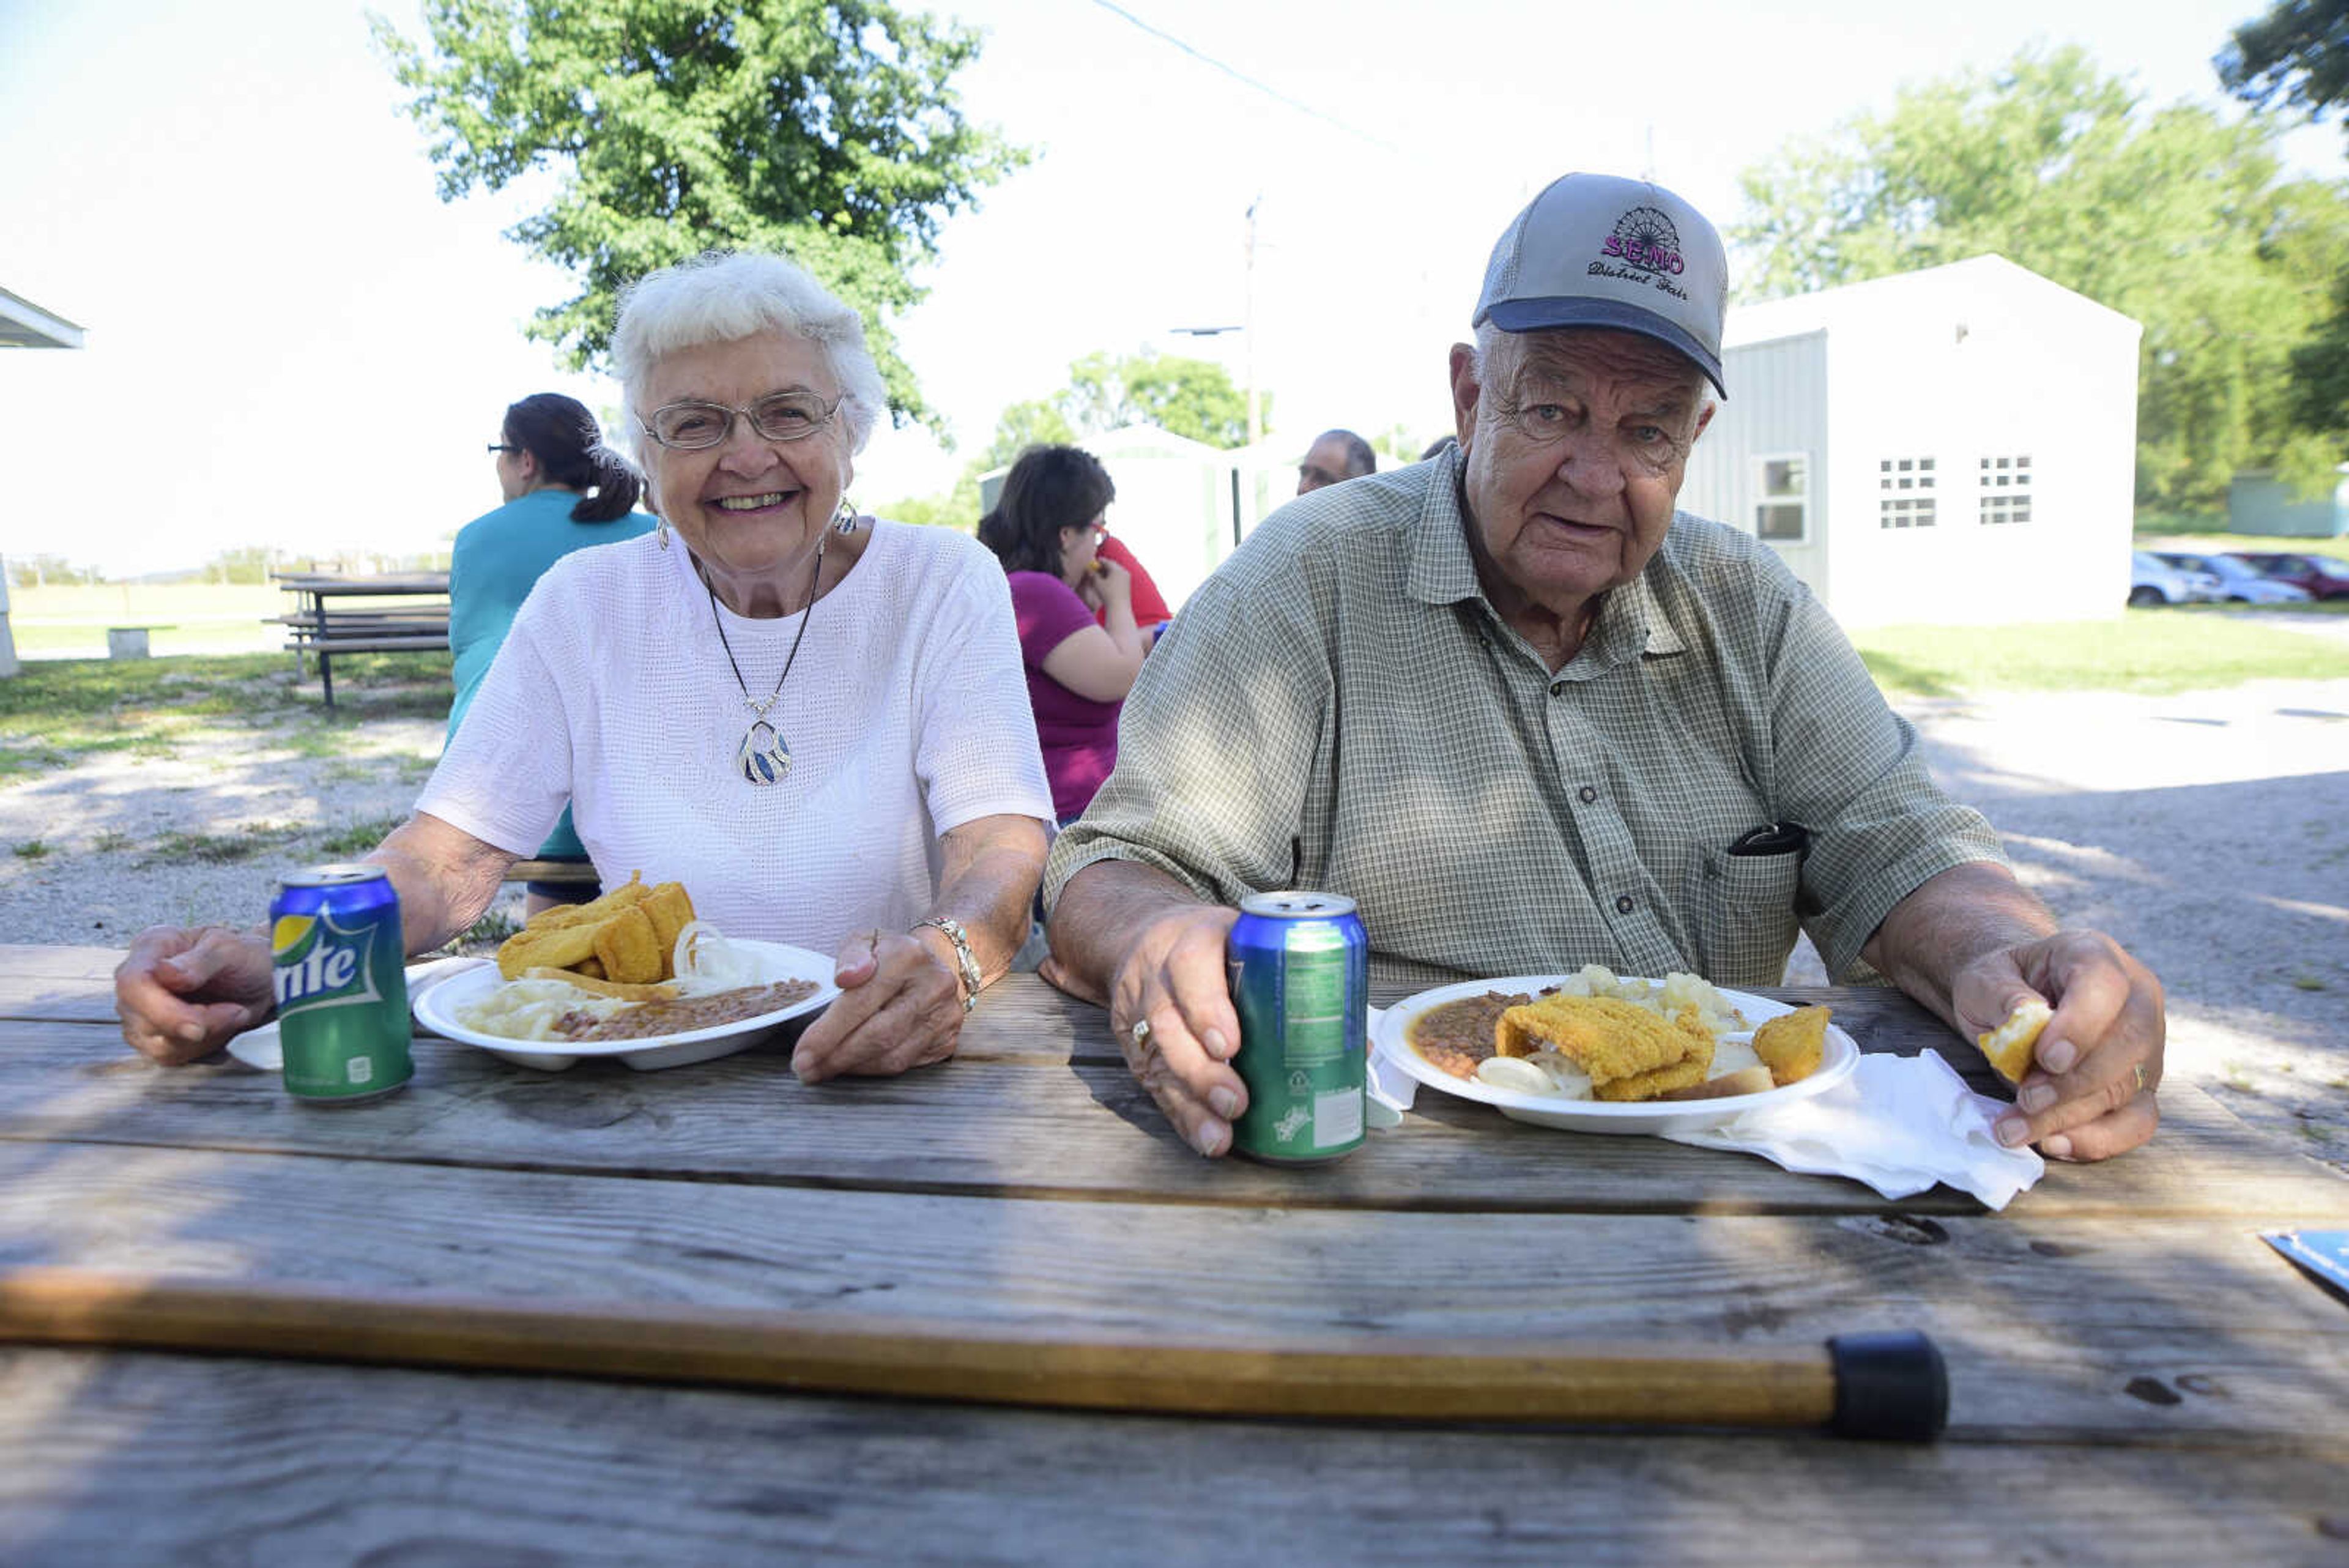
x,y
1530,716
1334,455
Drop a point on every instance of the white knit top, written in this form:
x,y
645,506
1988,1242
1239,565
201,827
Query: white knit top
x,y
906,715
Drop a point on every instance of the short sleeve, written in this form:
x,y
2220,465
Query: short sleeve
x,y
976,753
1047,613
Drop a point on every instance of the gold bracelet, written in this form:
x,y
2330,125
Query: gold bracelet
x,y
969,979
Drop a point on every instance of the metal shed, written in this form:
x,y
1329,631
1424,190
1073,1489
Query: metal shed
x,y
1951,446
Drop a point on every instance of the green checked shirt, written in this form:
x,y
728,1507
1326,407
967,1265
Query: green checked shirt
x,y
1338,708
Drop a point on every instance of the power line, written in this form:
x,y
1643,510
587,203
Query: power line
x,y
1240,76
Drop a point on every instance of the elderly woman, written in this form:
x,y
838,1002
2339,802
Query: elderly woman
x,y
813,720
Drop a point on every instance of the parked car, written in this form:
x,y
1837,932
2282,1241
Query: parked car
x,y
2154,581
2238,583
2321,575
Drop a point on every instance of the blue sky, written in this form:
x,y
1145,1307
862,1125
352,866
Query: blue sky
x,y
293,341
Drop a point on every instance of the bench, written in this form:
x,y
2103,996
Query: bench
x,y
328,623
576,873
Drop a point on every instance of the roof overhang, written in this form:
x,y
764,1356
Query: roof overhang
x,y
23,325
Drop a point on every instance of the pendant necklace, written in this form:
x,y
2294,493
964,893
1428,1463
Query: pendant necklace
x,y
764,758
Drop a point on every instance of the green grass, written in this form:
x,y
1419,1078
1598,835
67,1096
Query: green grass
x,y
55,712
2205,533
255,838
359,838
2152,652
31,849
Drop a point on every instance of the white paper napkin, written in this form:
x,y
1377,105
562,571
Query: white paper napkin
x,y
1898,1124
1388,1089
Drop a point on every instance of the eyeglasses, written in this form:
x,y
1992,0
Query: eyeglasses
x,y
778,417
505,446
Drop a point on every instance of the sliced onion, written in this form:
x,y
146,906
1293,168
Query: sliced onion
x,y
1515,1074
706,961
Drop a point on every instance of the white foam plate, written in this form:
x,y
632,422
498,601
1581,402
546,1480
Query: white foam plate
x,y
1390,1036
436,1010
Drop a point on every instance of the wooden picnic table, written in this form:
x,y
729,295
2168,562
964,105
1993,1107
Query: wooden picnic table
x,y
2135,1376
395,612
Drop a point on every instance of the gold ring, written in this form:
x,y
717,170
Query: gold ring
x,y
2139,1068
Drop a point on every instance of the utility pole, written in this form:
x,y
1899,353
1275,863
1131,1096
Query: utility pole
x,y
1248,325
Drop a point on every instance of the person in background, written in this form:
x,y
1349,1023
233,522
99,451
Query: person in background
x,y
1529,715
564,489
1335,455
1150,611
1046,530
813,719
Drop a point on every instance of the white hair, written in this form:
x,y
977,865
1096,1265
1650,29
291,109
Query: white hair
x,y
723,296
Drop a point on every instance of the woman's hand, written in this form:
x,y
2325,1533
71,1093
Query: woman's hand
x,y
184,993
1107,586
900,1007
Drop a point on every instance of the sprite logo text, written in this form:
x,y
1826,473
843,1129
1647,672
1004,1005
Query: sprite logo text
x,y
323,965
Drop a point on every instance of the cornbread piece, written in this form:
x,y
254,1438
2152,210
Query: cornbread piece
x,y
1792,1043
627,948
1611,1040
2008,1047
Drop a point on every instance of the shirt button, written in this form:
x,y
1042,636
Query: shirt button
x,y
1586,794
1557,687
1623,905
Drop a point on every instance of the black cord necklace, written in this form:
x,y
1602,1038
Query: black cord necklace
x,y
766,763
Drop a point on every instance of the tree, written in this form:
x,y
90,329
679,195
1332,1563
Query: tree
x,y
828,129
2298,52
1192,397
2168,215
1036,423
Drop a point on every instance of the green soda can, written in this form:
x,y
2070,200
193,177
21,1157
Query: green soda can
x,y
1299,971
341,978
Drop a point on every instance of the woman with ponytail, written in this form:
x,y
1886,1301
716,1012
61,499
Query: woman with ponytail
x,y
564,489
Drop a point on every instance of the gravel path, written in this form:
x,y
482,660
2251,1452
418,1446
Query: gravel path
x,y
2207,832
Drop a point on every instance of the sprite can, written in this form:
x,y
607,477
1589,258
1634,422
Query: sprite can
x,y
1300,967
341,976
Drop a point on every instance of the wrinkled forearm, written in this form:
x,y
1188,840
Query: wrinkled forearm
x,y
988,883
1102,912
1951,921
445,878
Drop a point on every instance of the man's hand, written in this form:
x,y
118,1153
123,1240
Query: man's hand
x,y
900,1007
2090,1093
1171,1007
183,994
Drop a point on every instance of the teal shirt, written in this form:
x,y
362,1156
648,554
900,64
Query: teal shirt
x,y
497,561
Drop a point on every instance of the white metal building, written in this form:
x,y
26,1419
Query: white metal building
x,y
1951,446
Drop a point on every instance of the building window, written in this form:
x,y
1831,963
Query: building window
x,y
1784,512
2007,489
1905,493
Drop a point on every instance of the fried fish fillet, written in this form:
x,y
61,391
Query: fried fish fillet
x,y
1793,1043
629,948
1612,1041
670,910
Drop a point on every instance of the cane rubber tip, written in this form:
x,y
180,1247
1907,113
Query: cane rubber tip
x,y
1889,1386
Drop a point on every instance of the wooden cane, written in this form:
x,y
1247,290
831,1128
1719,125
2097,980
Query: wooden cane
x,y
1877,1386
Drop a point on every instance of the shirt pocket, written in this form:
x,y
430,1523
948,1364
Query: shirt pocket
x,y
1746,923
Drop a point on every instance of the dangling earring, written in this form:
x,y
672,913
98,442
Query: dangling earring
x,y
660,529
843,520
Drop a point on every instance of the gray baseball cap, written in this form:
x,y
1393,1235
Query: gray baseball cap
x,y
1593,250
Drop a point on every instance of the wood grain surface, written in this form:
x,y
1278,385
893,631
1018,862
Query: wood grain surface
x,y
2135,1378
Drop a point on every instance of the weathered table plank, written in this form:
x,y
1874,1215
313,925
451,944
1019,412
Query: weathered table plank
x,y
2054,1327
1025,1127
144,1457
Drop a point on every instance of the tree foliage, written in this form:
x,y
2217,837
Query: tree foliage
x,y
2167,214
2298,52
828,129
